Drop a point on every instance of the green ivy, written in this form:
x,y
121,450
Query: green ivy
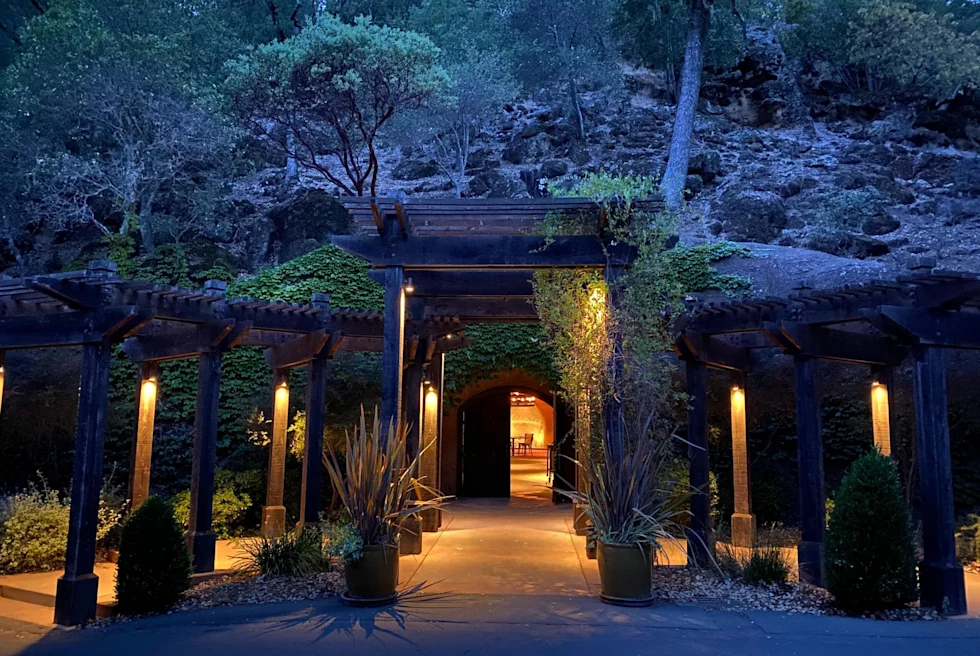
x,y
694,270
500,347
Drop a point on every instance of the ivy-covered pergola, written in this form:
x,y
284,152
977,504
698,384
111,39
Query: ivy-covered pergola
x,y
95,309
876,325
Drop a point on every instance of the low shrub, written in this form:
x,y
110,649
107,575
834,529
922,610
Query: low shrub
x,y
228,509
291,554
765,566
33,531
968,540
154,566
870,553
34,528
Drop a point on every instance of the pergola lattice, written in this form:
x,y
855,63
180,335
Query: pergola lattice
x,y
877,324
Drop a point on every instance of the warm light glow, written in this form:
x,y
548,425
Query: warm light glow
x,y
148,390
431,396
282,392
880,421
409,287
519,400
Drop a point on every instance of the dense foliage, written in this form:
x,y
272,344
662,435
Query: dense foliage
x,y
154,565
870,555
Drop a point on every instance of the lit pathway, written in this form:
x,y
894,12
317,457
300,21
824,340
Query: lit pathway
x,y
521,545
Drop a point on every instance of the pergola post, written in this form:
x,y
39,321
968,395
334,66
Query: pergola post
x,y
697,436
940,575
274,512
431,438
78,589
413,405
614,422
3,374
312,482
393,340
200,537
809,444
882,408
141,452
743,521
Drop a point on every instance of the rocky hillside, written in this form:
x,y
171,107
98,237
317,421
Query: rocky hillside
x,y
782,158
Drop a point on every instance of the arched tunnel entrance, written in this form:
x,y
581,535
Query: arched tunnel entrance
x,y
505,438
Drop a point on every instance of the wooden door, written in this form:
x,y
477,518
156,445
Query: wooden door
x,y
485,461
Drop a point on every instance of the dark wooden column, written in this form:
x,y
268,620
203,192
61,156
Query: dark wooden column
x,y
413,404
614,422
809,444
78,590
3,374
200,537
141,452
274,512
316,391
697,435
392,357
940,576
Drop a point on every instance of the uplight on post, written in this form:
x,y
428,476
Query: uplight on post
x,y
880,421
409,287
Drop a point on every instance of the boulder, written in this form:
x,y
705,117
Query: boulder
x,y
880,223
532,182
515,153
966,178
749,215
850,180
707,165
311,213
693,185
578,153
484,182
414,169
554,168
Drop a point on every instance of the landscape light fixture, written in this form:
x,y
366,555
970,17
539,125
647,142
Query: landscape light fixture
x,y
409,287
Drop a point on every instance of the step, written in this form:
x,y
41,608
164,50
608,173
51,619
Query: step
x,y
104,608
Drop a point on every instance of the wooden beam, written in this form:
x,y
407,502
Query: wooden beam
x,y
946,296
938,328
483,309
467,283
298,351
181,342
838,345
65,329
72,293
483,251
713,351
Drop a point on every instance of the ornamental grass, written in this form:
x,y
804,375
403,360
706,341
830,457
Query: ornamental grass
x,y
377,487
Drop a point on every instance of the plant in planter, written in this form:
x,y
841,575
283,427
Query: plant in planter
x,y
378,489
634,513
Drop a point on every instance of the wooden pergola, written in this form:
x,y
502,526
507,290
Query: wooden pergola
x,y
876,325
96,309
472,259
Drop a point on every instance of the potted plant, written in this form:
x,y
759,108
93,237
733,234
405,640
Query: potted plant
x,y
633,512
378,489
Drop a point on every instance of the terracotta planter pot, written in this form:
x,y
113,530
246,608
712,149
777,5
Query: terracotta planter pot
x,y
625,574
373,578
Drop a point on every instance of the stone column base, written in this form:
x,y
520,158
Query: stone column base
x,y
410,536
743,530
273,521
430,518
201,545
810,556
580,520
942,587
76,599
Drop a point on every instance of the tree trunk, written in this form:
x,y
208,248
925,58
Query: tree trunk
x,y
576,109
675,176
146,225
291,169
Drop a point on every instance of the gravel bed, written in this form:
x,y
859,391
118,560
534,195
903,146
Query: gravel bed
x,y
243,588
684,586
